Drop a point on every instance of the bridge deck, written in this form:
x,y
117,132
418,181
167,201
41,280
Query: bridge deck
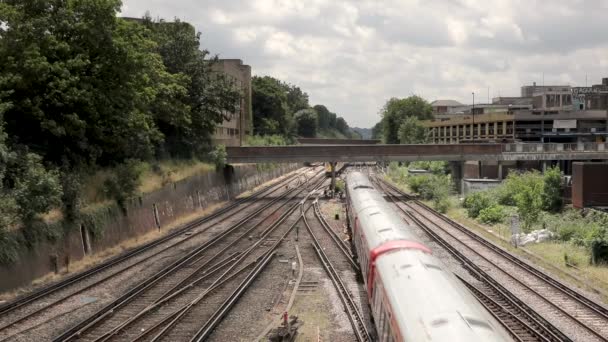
x,y
448,152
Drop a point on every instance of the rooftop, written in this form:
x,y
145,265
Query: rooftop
x,y
446,103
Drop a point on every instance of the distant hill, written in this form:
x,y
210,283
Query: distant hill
x,y
366,133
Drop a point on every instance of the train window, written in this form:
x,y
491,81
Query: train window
x,y
479,323
362,187
432,266
439,322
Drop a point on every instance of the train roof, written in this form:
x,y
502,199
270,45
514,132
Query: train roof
x,y
380,222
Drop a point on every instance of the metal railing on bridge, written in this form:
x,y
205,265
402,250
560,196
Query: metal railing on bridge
x,y
555,147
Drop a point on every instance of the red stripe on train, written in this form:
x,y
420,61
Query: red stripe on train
x,y
385,248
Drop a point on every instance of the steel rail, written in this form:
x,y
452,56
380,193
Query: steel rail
x,y
173,292
518,262
596,307
354,315
208,327
49,289
543,327
334,236
518,328
87,323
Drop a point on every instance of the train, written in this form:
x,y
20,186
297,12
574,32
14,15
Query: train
x,y
412,295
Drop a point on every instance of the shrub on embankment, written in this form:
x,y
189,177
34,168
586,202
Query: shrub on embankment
x,y
435,187
536,198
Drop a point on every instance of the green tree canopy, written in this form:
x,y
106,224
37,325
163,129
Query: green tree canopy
x,y
411,131
306,122
80,78
188,114
395,111
270,111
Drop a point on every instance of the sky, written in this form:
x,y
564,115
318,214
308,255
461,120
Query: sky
x,y
352,56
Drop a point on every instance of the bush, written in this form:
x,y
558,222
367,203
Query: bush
x,y
267,140
433,187
340,185
477,201
552,190
442,204
218,156
124,182
492,214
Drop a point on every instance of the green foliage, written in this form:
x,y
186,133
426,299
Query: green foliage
x,y
395,112
270,110
436,167
340,185
326,118
267,140
432,187
552,189
35,189
528,198
493,214
411,131
377,131
218,156
9,246
397,173
124,182
306,122
475,202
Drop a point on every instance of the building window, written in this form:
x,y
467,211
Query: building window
x,y
566,100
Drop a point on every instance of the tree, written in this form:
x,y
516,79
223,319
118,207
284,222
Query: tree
x,y
411,131
342,126
552,189
529,198
324,116
80,78
270,110
395,111
187,113
296,98
377,130
306,122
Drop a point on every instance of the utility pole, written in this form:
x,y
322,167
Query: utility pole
x,y
473,113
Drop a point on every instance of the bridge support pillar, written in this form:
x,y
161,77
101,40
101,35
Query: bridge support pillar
x,y
457,171
333,176
499,170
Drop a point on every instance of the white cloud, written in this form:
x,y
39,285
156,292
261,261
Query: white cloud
x,y
353,55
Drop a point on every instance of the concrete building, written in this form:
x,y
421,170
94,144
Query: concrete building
x,y
591,98
468,128
530,90
234,128
444,106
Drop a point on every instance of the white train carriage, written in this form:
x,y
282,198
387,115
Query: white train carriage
x,y
412,295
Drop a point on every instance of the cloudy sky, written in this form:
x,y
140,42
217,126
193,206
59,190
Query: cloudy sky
x,y
354,55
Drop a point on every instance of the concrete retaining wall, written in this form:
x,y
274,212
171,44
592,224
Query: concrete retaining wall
x,y
171,203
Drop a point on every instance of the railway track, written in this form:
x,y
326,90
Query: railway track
x,y
19,314
573,316
167,303
350,305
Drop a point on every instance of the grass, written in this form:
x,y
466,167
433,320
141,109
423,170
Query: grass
x,y
549,255
171,171
154,177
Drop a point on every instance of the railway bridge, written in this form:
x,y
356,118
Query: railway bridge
x,y
456,154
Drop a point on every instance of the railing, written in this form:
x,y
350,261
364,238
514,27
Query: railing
x,y
555,148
